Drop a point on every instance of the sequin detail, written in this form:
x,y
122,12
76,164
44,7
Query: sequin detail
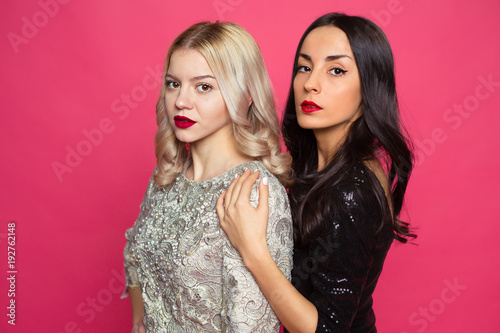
x,y
339,269
192,279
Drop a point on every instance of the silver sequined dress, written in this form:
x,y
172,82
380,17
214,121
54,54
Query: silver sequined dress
x,y
192,279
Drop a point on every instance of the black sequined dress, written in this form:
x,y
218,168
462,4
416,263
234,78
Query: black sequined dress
x,y
339,270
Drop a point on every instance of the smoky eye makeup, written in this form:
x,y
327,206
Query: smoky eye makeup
x,y
303,69
337,71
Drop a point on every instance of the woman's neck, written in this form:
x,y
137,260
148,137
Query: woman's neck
x,y
214,155
328,143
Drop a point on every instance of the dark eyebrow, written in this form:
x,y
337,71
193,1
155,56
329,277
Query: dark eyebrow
x,y
305,56
329,58
337,56
196,78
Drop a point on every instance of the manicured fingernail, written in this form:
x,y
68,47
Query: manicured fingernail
x,y
265,181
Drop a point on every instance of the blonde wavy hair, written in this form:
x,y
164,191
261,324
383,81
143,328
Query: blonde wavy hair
x,y
236,61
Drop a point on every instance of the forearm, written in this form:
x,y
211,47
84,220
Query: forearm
x,y
295,312
137,304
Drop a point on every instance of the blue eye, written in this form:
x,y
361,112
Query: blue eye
x,y
204,87
172,84
337,71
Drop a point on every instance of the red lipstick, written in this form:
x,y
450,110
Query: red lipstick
x,y
183,122
310,107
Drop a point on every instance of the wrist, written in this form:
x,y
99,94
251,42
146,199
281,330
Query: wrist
x,y
256,256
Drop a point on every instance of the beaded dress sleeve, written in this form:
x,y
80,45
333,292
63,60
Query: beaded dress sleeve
x,y
245,307
129,253
191,278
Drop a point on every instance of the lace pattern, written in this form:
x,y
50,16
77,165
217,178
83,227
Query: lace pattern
x,y
192,279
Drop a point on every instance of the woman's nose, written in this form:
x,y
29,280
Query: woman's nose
x,y
313,83
184,99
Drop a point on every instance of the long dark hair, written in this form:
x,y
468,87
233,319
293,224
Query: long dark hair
x,y
376,134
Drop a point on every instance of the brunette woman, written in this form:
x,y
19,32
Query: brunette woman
x,y
352,165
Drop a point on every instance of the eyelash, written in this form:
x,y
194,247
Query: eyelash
x,y
169,84
304,69
204,85
342,71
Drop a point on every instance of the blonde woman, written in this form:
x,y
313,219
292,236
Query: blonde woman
x,y
216,118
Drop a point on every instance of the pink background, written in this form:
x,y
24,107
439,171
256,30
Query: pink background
x,y
80,77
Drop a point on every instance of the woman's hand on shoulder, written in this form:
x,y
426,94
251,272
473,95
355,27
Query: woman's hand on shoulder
x,y
245,225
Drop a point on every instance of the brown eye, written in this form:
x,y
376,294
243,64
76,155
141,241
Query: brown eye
x,y
337,71
303,69
204,87
172,84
